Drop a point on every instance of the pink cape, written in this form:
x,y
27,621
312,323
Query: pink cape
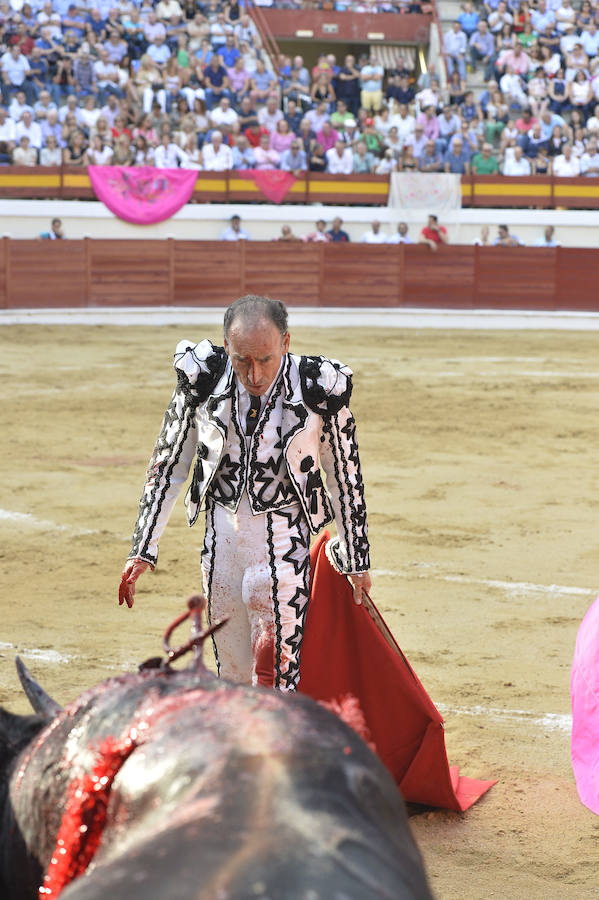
x,y
584,692
142,195
345,651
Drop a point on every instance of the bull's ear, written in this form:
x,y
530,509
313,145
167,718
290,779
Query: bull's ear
x,y
15,733
41,702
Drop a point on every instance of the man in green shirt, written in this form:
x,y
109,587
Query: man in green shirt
x,y
484,163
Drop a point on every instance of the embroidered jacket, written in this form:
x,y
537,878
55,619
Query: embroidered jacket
x,y
305,425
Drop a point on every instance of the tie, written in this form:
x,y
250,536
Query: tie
x,y
252,415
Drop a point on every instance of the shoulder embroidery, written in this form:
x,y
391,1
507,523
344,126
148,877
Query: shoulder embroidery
x,y
326,384
199,368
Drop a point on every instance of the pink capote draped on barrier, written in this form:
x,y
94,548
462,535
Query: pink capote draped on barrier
x,y
584,692
142,195
348,651
273,183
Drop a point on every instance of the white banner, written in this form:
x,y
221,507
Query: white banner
x,y
434,192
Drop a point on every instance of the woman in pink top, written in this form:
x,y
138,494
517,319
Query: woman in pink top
x,y
265,156
281,139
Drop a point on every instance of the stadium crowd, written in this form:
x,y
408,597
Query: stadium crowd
x,y
170,84
539,113
188,84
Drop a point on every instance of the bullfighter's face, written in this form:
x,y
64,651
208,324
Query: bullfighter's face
x,y
256,349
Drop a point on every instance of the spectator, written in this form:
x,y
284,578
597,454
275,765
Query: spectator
x,y
348,85
296,85
169,155
454,46
218,157
547,239
339,159
24,154
15,67
317,117
321,234
505,239
239,79
51,153
56,232
371,85
483,240
224,117
293,116
74,152
7,132
317,161
242,154
430,159
589,161
216,81
262,84
30,129
327,136
234,231
270,115
294,159
449,124
287,235
580,93
401,236
468,19
516,163
254,132
457,159
282,138
84,72
433,234
265,156
364,162
566,165
99,153
541,163
484,163
336,233
375,235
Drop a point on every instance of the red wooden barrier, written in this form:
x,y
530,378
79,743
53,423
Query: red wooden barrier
x,y
38,274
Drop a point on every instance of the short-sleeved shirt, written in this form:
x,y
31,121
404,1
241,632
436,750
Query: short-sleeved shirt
x,y
215,76
482,166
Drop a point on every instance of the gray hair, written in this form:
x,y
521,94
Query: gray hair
x,y
252,308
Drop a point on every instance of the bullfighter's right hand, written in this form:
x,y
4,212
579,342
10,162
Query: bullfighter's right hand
x,y
133,569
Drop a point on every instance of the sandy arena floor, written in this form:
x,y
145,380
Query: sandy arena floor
x,y
480,459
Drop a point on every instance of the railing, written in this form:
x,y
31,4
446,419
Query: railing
x,y
480,191
103,273
268,40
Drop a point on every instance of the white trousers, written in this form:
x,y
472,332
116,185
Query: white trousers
x,y
256,570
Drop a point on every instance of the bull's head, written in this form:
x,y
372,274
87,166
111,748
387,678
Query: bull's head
x,y
17,731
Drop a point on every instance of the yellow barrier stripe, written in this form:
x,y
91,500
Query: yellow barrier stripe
x,y
518,190
219,184
576,190
30,181
77,181
243,184
348,187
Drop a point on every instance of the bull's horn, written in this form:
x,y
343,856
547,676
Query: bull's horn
x,y
41,702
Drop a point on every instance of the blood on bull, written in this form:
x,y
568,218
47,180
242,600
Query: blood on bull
x,y
171,783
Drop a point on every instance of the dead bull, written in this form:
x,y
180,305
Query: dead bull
x,y
218,792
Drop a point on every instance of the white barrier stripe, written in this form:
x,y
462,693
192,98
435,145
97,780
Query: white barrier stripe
x,y
478,319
